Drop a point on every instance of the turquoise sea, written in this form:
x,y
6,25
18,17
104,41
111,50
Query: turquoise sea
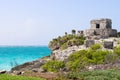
x,y
11,56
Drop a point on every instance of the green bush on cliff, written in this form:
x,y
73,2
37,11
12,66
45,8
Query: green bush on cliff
x,y
98,57
117,50
95,46
78,60
53,66
109,58
64,46
66,41
77,55
118,34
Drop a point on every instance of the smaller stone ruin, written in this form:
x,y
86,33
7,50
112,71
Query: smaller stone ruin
x,y
100,28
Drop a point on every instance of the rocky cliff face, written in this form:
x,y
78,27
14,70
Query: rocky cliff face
x,y
63,54
108,44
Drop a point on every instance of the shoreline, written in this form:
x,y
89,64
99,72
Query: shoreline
x,y
18,55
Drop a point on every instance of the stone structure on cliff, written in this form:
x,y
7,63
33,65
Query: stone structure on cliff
x,y
100,28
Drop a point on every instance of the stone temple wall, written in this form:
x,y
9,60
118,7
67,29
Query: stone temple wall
x,y
101,28
101,32
101,24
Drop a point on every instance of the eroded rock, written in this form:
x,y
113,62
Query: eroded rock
x,y
3,71
29,65
108,44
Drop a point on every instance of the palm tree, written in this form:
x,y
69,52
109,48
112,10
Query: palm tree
x,y
73,32
65,33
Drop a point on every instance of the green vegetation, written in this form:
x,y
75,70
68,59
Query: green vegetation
x,y
118,42
95,75
10,77
77,61
118,34
73,31
80,59
64,46
91,75
95,46
66,41
53,66
117,50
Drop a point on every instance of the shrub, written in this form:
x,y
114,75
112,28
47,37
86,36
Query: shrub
x,y
95,46
109,58
80,59
118,42
53,66
73,65
118,34
98,57
77,55
66,41
64,46
76,65
117,50
77,60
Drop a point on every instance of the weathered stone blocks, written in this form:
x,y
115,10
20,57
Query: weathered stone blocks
x,y
108,45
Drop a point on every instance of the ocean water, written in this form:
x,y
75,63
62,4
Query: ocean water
x,y
11,56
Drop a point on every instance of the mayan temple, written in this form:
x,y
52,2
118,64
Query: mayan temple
x,y
100,28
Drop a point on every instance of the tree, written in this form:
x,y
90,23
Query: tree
x,y
73,32
66,33
118,34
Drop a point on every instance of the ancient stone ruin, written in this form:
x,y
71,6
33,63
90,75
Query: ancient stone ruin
x,y
100,28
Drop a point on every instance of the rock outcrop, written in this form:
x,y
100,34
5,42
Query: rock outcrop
x,y
63,54
34,65
108,45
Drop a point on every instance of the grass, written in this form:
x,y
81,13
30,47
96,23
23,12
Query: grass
x,y
11,77
96,75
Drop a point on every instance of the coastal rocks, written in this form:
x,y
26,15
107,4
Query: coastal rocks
x,y
38,70
108,45
63,54
3,71
18,72
54,46
29,65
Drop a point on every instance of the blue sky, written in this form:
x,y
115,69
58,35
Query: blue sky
x,y
36,22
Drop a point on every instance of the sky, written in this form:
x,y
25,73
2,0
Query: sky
x,y
36,22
